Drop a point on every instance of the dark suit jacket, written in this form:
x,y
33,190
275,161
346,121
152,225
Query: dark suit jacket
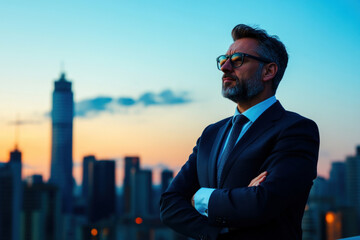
x,y
283,143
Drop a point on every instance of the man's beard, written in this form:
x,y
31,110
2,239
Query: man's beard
x,y
244,90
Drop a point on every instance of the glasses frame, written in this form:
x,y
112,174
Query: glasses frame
x,y
243,55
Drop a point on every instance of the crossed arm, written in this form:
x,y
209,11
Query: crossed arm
x,y
291,167
254,183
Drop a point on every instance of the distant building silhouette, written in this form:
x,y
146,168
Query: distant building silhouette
x,y
132,165
353,185
85,179
62,141
141,194
101,190
337,183
166,178
15,156
34,179
333,206
40,218
10,197
6,203
16,168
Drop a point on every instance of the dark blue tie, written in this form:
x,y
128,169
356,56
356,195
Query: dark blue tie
x,y
237,124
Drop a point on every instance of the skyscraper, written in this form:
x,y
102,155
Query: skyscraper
x,y
6,203
141,194
101,190
10,197
132,166
337,183
62,136
352,182
15,156
15,165
85,181
166,178
41,210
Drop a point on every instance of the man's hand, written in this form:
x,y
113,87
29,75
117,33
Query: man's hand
x,y
259,179
255,182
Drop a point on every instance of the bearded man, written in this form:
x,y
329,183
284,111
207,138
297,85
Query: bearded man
x,y
249,175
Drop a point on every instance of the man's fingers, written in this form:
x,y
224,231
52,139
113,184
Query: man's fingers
x,y
257,182
259,179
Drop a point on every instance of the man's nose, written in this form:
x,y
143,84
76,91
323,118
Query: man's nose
x,y
227,67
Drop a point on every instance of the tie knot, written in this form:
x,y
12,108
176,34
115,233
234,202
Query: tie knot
x,y
240,119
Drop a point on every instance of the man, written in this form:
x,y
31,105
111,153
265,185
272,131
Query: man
x,y
249,175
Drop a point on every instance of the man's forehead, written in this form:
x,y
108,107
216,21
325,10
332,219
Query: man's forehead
x,y
245,45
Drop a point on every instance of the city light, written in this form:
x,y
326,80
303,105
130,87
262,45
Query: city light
x,y
138,220
330,217
94,232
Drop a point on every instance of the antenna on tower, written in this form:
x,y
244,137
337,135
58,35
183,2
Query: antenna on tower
x,y
17,131
62,67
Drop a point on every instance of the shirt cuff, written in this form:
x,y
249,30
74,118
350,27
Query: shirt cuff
x,y
201,200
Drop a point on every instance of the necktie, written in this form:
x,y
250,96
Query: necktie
x,y
238,123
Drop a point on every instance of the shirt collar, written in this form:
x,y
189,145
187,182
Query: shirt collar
x,y
255,111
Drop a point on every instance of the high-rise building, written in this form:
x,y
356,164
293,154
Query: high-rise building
x,y
15,156
352,182
41,211
10,197
62,139
16,168
102,190
132,165
166,178
6,203
337,183
85,181
141,194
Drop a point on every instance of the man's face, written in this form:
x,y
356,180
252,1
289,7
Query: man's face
x,y
245,82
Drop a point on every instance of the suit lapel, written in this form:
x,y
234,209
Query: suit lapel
x,y
260,126
215,150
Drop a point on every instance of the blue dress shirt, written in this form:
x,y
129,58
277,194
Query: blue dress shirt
x,y
202,196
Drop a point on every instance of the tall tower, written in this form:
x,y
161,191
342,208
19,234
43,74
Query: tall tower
x,y
132,166
141,194
85,181
62,138
102,193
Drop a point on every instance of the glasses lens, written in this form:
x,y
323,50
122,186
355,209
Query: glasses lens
x,y
221,61
237,59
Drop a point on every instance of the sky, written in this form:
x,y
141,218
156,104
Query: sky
x,y
145,80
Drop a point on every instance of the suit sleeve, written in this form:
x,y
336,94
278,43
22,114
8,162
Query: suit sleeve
x,y
176,210
291,167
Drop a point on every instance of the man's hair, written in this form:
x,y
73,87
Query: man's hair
x,y
269,47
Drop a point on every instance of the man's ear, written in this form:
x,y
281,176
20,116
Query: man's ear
x,y
269,71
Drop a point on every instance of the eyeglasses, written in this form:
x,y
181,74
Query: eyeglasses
x,y
237,59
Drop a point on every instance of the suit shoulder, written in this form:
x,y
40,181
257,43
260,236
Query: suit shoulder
x,y
217,124
293,116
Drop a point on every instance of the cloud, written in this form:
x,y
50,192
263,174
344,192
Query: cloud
x,y
24,122
166,97
126,101
94,106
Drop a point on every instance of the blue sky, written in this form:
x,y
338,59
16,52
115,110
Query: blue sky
x,y
123,49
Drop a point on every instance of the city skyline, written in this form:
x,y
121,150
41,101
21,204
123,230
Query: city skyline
x,y
166,59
